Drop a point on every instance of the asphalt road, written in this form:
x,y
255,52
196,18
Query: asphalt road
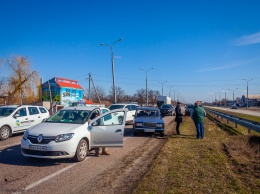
x,y
19,174
243,111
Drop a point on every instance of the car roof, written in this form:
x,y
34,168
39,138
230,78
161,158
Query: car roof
x,y
16,106
90,108
124,104
147,108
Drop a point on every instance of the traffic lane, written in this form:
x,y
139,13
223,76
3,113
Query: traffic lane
x,y
20,173
30,175
242,111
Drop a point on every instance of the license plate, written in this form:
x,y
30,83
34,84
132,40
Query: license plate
x,y
38,148
149,130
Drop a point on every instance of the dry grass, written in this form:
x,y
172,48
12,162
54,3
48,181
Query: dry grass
x,y
220,163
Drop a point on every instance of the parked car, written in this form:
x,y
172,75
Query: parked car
x,y
188,109
72,132
148,120
16,119
233,106
130,107
167,109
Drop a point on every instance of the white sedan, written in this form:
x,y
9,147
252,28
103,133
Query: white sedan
x,y
72,132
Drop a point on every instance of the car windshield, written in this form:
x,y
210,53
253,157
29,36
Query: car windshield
x,y
69,116
116,106
166,106
147,113
6,111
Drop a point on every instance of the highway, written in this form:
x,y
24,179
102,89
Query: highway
x,y
29,175
239,110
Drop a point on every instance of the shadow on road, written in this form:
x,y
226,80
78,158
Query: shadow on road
x,y
13,156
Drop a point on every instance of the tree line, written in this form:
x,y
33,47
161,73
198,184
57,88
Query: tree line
x,y
19,84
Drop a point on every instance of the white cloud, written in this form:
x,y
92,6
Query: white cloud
x,y
225,67
248,40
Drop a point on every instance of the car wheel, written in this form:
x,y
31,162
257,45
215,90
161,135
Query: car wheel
x,y
82,151
161,134
135,133
120,119
5,132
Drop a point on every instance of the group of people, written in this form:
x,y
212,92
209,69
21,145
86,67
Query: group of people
x,y
197,115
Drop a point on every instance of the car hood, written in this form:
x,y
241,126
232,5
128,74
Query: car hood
x,y
149,119
53,129
165,108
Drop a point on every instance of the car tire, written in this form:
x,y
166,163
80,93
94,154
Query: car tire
x,y
120,119
134,133
5,132
82,151
162,134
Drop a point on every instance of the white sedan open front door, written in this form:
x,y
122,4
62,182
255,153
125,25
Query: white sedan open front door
x,y
107,130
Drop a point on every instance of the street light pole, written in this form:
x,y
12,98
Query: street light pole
x,y
162,86
146,84
225,96
233,93
247,91
112,61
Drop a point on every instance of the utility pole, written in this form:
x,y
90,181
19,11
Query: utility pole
x,y
247,91
89,76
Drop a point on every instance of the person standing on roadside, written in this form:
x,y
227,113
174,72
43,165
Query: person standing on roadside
x,y
198,118
178,117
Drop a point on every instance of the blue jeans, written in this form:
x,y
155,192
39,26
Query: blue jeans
x,y
200,130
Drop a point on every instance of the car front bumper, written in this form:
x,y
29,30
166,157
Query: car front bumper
x,y
52,150
148,130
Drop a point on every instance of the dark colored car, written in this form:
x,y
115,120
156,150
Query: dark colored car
x,y
167,109
148,120
189,108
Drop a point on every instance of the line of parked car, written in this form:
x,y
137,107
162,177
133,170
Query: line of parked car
x,y
73,131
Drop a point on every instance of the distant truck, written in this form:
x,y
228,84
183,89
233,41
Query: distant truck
x,y
163,100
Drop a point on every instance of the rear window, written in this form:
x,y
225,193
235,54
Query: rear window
x,y
116,106
42,110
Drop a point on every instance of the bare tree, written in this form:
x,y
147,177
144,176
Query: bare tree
x,y
101,92
120,94
140,96
21,81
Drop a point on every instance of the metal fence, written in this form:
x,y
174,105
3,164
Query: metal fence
x,y
250,125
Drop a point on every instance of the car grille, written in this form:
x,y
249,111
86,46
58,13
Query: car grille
x,y
41,153
149,125
45,140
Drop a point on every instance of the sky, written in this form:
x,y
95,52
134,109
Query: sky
x,y
198,49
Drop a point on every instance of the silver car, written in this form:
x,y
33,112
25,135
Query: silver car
x,y
72,132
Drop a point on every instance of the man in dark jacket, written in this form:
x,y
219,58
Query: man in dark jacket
x,y
178,117
198,118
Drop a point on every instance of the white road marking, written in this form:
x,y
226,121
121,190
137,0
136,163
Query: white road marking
x,y
50,176
53,175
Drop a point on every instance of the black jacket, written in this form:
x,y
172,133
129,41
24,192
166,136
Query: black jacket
x,y
178,117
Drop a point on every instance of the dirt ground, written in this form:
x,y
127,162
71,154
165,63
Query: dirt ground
x,y
125,175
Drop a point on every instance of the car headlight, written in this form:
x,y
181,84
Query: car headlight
x,y
64,137
25,135
138,124
160,125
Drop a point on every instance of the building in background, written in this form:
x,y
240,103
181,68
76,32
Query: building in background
x,y
61,91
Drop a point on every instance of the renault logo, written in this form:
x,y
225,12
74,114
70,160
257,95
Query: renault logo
x,y
39,138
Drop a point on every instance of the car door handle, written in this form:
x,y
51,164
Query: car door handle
x,y
39,116
118,131
26,119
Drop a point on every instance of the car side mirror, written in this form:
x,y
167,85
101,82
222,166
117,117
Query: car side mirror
x,y
16,115
95,123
